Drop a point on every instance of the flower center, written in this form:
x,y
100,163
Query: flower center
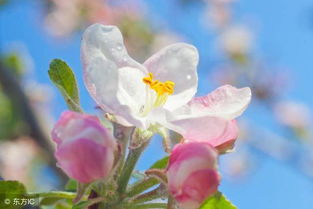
x,y
159,94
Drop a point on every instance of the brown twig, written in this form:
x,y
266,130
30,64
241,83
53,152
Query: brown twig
x,y
12,88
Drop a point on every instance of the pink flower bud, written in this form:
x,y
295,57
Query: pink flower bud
x,y
85,148
192,173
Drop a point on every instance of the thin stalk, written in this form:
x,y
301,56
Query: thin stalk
x,y
57,194
141,186
81,189
148,206
129,166
95,201
122,134
170,203
156,193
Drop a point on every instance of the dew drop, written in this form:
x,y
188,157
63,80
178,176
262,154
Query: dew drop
x,y
188,77
119,47
113,50
124,59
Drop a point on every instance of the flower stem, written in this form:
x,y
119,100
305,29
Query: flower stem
x,y
170,203
95,201
148,206
156,193
81,188
141,186
122,134
57,194
129,166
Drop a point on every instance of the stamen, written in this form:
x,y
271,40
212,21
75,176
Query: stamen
x,y
162,91
148,80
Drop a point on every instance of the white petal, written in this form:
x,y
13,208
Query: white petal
x,y
107,87
106,41
177,63
131,92
226,102
105,65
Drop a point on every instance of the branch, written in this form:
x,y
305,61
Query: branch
x,y
15,93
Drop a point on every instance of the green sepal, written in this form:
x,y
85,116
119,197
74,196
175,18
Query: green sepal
x,y
217,201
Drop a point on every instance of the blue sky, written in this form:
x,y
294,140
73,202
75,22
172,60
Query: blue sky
x,y
284,36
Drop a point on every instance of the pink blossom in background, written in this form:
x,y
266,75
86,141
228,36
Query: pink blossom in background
x,y
293,114
67,16
15,158
85,149
192,173
236,39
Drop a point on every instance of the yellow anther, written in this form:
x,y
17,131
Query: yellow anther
x,y
159,87
148,80
155,84
170,83
169,87
162,90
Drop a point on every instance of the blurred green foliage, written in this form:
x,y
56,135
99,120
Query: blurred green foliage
x,y
10,121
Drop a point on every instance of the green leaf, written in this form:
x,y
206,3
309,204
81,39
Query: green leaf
x,y
50,201
56,198
12,187
218,201
61,205
10,190
71,185
144,184
160,164
63,77
87,203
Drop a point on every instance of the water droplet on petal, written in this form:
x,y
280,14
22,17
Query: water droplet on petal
x,y
119,47
188,77
125,59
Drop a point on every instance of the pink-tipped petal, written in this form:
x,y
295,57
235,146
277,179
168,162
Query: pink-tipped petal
x,y
85,148
198,186
192,173
218,132
85,160
211,118
226,102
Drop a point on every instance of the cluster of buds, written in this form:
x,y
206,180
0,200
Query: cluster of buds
x,y
85,152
